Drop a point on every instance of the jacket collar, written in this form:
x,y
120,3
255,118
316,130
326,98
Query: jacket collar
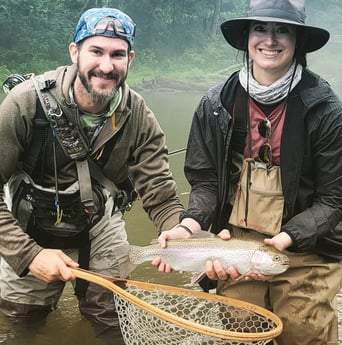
x,y
308,88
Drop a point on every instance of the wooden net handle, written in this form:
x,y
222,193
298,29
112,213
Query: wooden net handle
x,y
118,285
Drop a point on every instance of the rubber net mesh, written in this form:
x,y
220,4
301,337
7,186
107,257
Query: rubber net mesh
x,y
140,327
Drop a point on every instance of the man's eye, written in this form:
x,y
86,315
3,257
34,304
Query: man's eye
x,y
119,54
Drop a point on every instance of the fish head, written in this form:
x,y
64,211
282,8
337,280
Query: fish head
x,y
269,262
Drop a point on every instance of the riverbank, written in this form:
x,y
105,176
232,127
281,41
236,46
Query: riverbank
x,y
175,82
180,82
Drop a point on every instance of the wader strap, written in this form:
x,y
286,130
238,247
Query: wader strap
x,y
96,172
86,190
84,252
83,260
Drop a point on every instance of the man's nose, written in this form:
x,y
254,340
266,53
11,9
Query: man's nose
x,y
106,65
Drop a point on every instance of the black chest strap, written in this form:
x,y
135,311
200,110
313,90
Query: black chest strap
x,y
240,113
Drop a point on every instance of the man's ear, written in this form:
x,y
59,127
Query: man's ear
x,y
131,57
73,51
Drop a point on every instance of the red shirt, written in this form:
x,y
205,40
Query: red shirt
x,y
276,117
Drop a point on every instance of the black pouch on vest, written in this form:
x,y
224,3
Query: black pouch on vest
x,y
36,212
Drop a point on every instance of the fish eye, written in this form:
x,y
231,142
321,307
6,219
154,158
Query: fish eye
x,y
277,258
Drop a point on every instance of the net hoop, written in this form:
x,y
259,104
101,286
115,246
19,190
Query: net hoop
x,y
117,286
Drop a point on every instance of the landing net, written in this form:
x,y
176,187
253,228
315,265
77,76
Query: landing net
x,y
186,317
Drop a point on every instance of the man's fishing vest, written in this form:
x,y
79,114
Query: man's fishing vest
x,y
62,217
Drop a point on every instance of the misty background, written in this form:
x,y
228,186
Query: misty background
x,y
178,45
177,40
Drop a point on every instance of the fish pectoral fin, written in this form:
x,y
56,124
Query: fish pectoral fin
x,y
240,277
243,275
197,277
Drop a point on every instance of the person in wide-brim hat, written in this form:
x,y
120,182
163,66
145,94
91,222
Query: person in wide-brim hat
x,y
263,162
235,31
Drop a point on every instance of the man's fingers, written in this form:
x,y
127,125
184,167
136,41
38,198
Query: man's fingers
x,y
162,242
215,270
156,261
220,271
65,274
52,264
67,260
233,272
225,234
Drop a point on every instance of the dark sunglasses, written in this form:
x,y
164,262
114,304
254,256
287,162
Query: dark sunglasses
x,y
115,28
265,151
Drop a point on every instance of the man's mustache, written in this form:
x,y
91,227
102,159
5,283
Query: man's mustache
x,y
109,76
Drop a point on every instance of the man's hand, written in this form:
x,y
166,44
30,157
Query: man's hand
x,y
52,264
280,241
175,233
215,270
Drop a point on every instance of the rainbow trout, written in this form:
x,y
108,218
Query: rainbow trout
x,y
248,256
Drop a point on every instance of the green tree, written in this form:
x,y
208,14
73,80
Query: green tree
x,y
171,34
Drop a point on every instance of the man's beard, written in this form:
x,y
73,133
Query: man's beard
x,y
103,97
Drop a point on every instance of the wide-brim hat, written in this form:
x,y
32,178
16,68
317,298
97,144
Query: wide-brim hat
x,y
235,31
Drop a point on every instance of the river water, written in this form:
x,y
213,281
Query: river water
x,y
65,325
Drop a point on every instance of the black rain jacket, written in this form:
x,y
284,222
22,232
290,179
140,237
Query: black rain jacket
x,y
311,164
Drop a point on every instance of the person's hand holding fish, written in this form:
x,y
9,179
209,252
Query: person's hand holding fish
x,y
180,231
218,256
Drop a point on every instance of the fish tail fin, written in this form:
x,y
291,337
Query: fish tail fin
x,y
126,268
135,254
132,260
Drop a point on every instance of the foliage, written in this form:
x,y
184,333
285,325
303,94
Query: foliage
x,y
37,32
173,36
